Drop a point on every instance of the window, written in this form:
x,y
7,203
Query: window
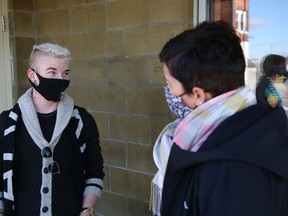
x,y
241,21
263,35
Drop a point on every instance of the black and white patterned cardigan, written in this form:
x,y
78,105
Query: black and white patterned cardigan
x,y
67,113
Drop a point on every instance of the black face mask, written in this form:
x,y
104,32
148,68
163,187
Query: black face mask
x,y
50,89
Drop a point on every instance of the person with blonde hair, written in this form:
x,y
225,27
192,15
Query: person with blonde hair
x,y
51,161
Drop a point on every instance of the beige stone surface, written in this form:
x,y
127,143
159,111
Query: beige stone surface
x,y
140,158
23,24
88,18
147,101
108,99
128,71
53,22
130,128
129,183
88,71
127,13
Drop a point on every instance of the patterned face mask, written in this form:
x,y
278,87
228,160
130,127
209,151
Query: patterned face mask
x,y
175,104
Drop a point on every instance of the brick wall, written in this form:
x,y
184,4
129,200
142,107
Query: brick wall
x,y
116,75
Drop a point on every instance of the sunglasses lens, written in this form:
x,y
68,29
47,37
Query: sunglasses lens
x,y
53,167
46,152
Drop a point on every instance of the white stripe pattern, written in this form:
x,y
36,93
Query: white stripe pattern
x,y
95,181
9,130
7,156
83,147
91,189
80,123
13,116
9,194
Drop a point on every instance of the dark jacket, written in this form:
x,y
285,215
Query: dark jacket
x,y
70,154
241,169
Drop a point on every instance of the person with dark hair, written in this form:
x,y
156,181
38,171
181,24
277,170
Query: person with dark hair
x,y
228,154
274,74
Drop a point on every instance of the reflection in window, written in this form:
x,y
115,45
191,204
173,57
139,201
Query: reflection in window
x,y
236,13
241,21
267,36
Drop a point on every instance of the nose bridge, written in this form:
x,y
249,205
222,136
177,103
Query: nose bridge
x,y
60,75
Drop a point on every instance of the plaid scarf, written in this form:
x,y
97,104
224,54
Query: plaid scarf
x,y
161,153
192,131
196,127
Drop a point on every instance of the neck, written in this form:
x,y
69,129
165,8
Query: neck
x,y
41,104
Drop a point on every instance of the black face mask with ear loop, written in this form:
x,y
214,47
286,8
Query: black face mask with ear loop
x,y
50,89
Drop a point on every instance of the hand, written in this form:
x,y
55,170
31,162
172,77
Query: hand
x,y
87,212
82,214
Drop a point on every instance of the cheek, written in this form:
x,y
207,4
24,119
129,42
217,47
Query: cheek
x,y
189,100
175,89
171,89
185,101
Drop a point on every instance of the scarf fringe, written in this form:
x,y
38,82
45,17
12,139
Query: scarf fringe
x,y
155,199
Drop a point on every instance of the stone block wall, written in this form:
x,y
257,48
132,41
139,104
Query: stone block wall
x,y
116,76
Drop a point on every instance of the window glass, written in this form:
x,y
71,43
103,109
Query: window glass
x,y
261,27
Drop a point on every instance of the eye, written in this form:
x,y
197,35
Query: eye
x,y
67,73
52,72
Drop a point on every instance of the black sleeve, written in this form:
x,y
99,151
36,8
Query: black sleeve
x,y
93,160
1,154
238,188
1,131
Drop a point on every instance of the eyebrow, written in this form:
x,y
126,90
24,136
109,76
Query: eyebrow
x,y
52,68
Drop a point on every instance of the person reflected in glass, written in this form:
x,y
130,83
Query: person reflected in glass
x,y
270,87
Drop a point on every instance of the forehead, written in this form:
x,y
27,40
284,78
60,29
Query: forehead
x,y
166,70
167,74
43,61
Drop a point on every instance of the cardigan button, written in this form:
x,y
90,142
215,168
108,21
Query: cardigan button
x,y
45,190
45,170
45,209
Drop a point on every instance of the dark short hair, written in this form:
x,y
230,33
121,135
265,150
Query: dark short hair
x,y
208,56
274,64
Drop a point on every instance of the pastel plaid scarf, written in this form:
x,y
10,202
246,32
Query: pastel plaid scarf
x,y
161,153
192,131
199,124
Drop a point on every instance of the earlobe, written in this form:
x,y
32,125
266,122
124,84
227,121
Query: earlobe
x,y
200,95
29,73
198,103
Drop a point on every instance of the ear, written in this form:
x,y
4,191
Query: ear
x,y
201,95
31,75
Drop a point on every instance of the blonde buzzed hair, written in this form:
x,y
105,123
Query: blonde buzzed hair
x,y
53,50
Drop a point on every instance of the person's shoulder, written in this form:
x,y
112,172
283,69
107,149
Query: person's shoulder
x,y
82,110
260,110
84,113
266,108
79,107
14,109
